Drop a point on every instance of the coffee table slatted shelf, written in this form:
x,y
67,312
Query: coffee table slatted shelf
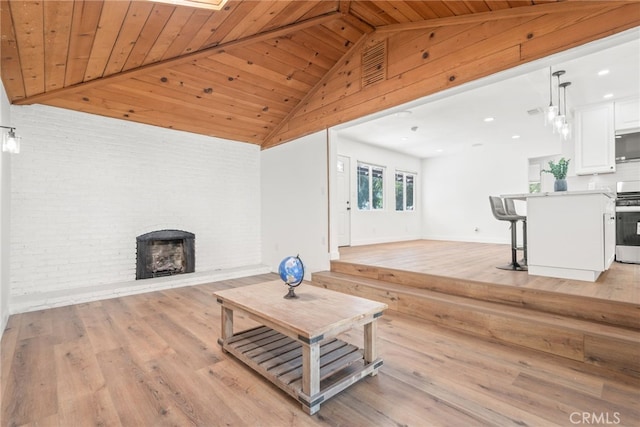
x,y
279,358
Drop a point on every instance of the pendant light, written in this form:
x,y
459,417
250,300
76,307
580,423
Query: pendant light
x,y
565,129
558,120
551,111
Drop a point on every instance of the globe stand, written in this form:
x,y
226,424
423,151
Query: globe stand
x,y
291,294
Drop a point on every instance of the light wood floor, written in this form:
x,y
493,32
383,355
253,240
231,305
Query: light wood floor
x,y
478,261
152,360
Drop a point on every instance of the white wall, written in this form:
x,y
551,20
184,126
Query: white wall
x,y
295,207
85,186
456,190
5,212
386,225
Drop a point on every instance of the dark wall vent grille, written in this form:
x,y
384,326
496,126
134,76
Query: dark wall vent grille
x,y
374,64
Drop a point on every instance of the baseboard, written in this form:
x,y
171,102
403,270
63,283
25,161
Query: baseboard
x,y
60,298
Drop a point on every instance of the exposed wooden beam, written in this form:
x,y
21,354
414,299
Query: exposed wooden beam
x,y
516,12
338,65
179,60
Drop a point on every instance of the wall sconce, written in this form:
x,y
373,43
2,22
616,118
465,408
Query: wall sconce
x,y
10,142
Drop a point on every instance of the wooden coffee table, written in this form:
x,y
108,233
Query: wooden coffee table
x,y
297,347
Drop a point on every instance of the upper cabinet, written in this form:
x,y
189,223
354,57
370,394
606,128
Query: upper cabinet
x,y
627,115
595,139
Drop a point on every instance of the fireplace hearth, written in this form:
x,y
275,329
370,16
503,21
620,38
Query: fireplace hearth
x,y
165,253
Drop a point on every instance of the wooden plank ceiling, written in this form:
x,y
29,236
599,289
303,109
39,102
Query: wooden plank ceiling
x,y
265,72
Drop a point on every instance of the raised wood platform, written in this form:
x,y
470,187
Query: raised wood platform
x,y
594,323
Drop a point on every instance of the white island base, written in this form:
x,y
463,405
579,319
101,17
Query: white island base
x,y
570,234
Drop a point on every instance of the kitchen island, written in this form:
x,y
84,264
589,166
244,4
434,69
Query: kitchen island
x,y
570,234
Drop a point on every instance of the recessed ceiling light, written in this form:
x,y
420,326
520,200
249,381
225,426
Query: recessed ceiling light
x,y
439,150
405,113
608,95
404,138
515,137
489,119
603,72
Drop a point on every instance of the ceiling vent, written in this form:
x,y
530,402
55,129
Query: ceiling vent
x,y
374,64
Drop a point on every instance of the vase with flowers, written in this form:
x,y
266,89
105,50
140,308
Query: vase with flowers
x,y
559,172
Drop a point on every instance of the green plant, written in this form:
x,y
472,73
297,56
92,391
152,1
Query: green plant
x,y
558,170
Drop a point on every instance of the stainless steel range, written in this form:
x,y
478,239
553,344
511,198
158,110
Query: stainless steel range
x,y
628,222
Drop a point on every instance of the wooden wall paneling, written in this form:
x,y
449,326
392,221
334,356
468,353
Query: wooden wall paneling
x,y
457,45
255,16
182,43
224,82
57,27
134,108
210,118
368,12
478,6
169,33
257,74
293,12
582,29
400,11
233,17
201,92
309,39
292,46
129,33
152,28
11,72
344,29
196,93
322,7
284,125
284,69
30,36
302,63
86,16
111,19
465,65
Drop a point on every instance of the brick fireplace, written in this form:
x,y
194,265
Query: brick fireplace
x,y
165,253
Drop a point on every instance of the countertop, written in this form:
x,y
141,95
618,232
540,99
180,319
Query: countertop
x,y
605,192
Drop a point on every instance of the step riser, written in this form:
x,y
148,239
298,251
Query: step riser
x,y
583,346
613,313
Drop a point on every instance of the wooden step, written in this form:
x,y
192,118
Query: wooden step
x,y
617,313
612,347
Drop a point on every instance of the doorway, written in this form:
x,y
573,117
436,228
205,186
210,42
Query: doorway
x,y
343,174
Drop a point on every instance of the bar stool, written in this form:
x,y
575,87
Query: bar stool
x,y
499,212
510,208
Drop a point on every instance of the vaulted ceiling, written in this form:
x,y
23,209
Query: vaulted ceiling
x,y
265,72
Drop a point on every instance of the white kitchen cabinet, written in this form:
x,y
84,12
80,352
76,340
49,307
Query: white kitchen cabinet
x,y
571,234
595,148
627,114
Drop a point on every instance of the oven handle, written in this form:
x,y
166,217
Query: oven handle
x,y
627,208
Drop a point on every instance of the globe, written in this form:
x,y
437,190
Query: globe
x,y
291,271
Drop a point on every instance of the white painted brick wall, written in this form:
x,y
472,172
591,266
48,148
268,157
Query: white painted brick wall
x,y
85,186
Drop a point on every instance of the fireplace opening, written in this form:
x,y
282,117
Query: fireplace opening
x,y
165,253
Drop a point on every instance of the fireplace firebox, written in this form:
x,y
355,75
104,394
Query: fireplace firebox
x,y
165,253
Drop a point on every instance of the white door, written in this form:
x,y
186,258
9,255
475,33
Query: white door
x,y
344,201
